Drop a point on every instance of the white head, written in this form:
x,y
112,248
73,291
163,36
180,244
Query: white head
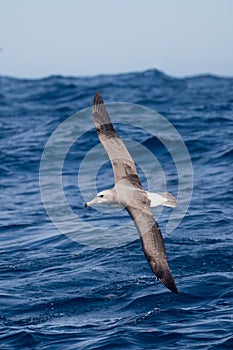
x,y
103,197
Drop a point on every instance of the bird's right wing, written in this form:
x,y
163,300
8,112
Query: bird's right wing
x,y
122,162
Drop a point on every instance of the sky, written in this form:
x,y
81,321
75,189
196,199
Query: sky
x,y
89,37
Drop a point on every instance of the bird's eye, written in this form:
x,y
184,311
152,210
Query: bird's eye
x,y
101,195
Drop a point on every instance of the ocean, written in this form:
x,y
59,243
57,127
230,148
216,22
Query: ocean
x,y
77,278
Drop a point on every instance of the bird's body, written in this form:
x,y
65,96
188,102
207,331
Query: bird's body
x,y
129,193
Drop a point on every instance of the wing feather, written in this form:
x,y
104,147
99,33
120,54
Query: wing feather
x,y
122,162
153,245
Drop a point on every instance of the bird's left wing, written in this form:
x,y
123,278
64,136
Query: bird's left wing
x,y
152,242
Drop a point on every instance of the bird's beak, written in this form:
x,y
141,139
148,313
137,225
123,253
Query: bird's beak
x,y
93,201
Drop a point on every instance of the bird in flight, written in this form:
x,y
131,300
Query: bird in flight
x,y
129,193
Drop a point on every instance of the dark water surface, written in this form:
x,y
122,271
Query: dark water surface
x,y
58,294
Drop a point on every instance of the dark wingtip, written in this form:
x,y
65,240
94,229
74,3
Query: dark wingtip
x,y
168,281
98,99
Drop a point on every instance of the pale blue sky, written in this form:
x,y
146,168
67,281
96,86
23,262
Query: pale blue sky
x,y
88,37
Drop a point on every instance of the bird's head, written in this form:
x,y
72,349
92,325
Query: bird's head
x,y
103,197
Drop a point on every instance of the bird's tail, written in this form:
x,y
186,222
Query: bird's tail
x,y
165,198
170,200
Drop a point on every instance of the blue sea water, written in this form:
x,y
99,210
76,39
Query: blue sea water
x,y
58,294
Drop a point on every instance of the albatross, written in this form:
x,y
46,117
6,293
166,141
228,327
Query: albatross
x,y
129,193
